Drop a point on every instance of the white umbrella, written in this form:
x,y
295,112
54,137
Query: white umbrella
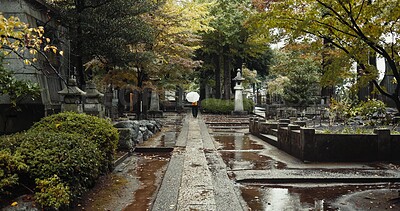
x,y
192,97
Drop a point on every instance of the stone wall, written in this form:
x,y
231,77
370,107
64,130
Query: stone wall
x,y
304,144
35,13
133,132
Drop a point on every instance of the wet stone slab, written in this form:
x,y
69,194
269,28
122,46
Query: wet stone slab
x,y
249,160
237,142
318,175
338,197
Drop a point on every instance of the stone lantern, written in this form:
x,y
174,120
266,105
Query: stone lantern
x,y
72,97
239,94
92,104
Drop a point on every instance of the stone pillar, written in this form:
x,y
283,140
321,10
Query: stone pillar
x,y
307,139
251,122
239,110
93,105
72,97
383,138
179,99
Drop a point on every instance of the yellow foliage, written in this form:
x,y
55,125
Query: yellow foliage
x,y
16,37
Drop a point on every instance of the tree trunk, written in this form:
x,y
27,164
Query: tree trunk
x,y
217,77
227,74
80,4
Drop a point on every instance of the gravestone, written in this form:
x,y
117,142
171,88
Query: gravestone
x,y
154,109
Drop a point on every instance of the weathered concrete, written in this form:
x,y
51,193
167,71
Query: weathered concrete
x,y
318,175
196,177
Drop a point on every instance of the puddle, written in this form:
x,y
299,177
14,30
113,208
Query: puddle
x,y
237,142
239,160
169,139
262,197
149,169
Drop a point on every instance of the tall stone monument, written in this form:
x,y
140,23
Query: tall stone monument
x,y
239,110
154,109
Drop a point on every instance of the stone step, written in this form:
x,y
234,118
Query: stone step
x,y
317,176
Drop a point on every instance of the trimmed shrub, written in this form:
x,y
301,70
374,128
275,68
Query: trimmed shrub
x,y
95,129
219,106
71,157
52,192
248,105
10,166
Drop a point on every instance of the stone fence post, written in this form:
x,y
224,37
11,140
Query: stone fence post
x,y
307,138
383,139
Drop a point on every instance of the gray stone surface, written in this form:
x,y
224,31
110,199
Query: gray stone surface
x,y
319,175
196,178
167,197
125,141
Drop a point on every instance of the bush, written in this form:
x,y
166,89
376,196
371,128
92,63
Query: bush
x,y
97,130
62,165
370,108
52,192
219,106
71,157
10,166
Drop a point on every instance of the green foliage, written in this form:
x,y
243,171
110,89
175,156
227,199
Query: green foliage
x,y
219,106
352,31
367,110
348,130
297,75
248,105
96,130
52,192
10,166
70,156
63,155
38,156
370,107
14,88
339,110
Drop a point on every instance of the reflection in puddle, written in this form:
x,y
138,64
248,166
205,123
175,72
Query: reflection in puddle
x,y
263,197
239,160
260,198
169,139
150,167
237,142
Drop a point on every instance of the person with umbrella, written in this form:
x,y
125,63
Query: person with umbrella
x,y
193,97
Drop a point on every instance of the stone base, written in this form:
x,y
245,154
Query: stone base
x,y
78,108
240,113
153,114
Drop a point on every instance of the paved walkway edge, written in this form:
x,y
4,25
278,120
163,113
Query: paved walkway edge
x,y
167,196
226,197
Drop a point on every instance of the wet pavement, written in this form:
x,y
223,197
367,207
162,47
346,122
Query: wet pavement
x,y
215,166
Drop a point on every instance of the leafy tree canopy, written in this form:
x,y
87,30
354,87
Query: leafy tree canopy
x,y
358,28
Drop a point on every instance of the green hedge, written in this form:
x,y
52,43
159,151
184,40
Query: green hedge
x,y
219,106
97,130
36,158
69,156
11,165
59,158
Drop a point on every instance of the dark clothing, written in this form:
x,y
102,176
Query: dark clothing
x,y
195,109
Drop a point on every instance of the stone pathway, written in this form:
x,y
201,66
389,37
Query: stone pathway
x,y
196,177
